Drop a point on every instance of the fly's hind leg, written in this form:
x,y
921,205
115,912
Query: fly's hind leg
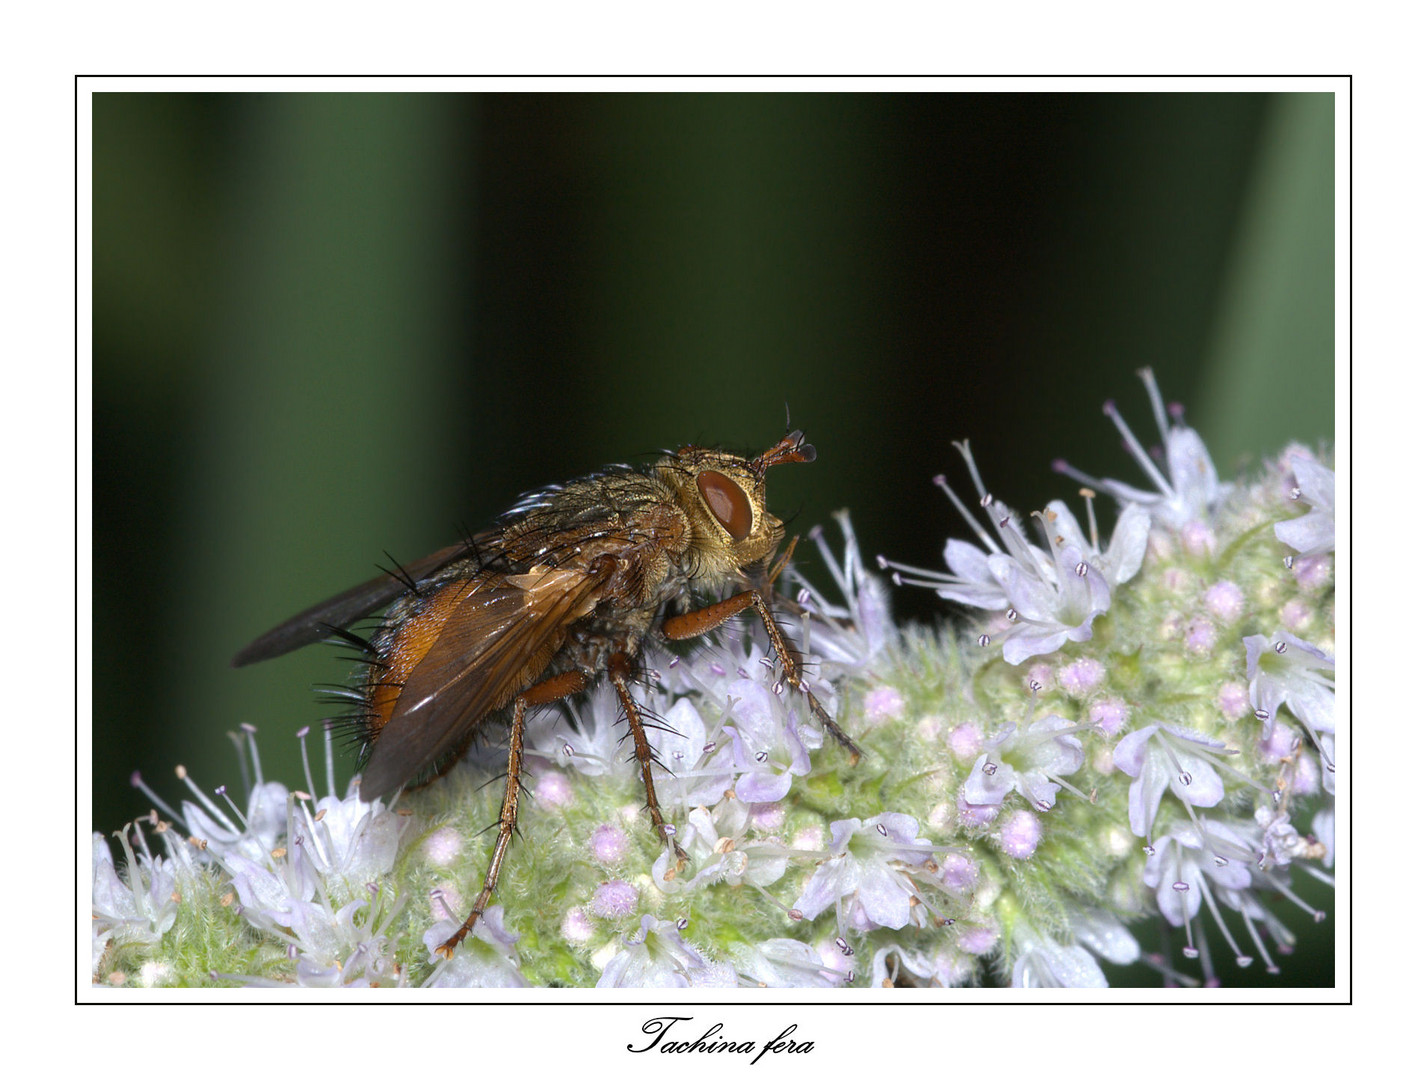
x,y
695,623
620,673
542,693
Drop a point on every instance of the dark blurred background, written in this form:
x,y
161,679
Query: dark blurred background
x,y
332,325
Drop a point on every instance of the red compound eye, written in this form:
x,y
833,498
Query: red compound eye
x,y
728,503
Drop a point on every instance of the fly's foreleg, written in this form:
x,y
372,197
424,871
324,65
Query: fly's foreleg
x,y
693,624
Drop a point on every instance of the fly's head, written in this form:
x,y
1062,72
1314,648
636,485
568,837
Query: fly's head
x,y
724,497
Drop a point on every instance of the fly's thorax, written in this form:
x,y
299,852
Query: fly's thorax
x,y
564,525
624,526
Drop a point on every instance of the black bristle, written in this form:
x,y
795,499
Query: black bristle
x,y
358,642
352,729
472,547
400,573
340,692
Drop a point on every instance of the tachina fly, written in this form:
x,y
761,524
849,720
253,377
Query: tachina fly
x,y
566,589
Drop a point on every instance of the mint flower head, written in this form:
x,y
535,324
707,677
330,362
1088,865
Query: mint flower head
x,y
1122,739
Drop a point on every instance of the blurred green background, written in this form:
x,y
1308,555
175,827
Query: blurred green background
x,y
332,325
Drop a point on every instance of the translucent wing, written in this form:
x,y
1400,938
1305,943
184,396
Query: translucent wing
x,y
316,622
498,640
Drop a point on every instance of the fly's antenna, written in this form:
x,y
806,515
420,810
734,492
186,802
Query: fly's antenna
x,y
791,448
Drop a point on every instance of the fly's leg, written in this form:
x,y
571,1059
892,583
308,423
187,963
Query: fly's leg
x,y
620,672
696,623
542,693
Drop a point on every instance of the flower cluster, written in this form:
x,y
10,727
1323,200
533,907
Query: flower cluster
x,y
1130,731
294,886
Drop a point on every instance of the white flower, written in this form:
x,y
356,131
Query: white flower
x,y
852,633
1157,753
584,736
254,836
1041,961
1208,865
1288,671
770,744
896,965
1051,592
719,848
1122,560
1054,599
321,894
1313,533
487,957
347,840
868,866
1192,488
1186,861
140,907
1034,762
657,956
695,770
784,962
